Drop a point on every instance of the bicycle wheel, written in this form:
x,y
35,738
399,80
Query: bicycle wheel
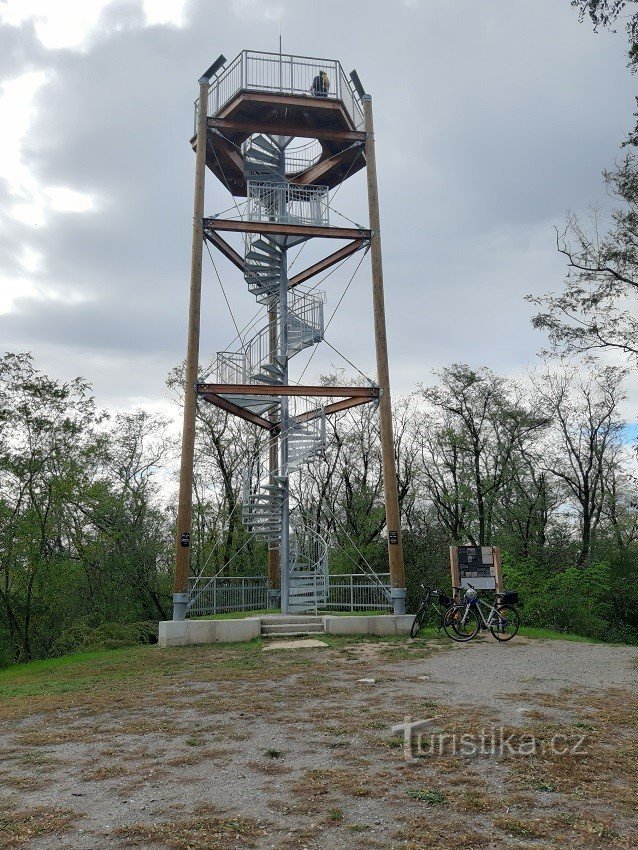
x,y
507,624
418,620
461,623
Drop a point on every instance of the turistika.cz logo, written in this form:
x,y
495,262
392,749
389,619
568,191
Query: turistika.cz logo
x,y
420,741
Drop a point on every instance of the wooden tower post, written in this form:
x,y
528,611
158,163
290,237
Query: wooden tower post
x,y
393,519
185,503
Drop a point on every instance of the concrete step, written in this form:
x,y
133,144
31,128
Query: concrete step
x,y
288,634
287,628
288,620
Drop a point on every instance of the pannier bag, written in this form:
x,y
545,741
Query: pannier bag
x,y
509,597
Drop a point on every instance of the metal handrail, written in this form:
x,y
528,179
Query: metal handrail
x,y
239,367
288,203
284,74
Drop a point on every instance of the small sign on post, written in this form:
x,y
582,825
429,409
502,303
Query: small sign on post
x,y
393,537
479,566
185,539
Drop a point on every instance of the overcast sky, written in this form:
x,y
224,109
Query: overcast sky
x,y
493,119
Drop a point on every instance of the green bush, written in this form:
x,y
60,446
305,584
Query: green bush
x,y
87,636
582,600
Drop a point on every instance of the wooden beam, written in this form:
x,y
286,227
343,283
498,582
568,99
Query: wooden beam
x,y
335,407
286,229
323,104
368,393
227,250
324,264
281,127
315,173
223,148
235,409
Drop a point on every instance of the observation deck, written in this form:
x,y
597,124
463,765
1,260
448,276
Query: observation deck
x,y
273,93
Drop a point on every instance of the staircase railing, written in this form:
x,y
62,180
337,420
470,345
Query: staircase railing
x,y
301,158
287,203
305,323
231,367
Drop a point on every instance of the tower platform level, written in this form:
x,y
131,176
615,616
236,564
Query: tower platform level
x,y
273,93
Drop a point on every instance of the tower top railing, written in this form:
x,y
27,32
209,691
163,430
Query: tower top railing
x,y
281,73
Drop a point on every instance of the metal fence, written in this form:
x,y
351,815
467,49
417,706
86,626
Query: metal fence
x,y
359,592
282,73
346,592
218,594
287,203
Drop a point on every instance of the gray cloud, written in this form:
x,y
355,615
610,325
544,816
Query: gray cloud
x,y
492,119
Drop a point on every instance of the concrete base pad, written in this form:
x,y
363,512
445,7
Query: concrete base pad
x,y
186,632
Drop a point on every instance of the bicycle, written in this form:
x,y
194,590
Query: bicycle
x,y
444,602
462,622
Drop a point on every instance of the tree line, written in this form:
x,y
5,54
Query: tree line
x,y
543,467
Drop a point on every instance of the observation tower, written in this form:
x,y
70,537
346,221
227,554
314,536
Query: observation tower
x,y
252,118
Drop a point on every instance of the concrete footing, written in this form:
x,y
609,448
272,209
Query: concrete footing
x,y
185,632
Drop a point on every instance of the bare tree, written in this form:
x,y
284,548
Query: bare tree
x,y
586,437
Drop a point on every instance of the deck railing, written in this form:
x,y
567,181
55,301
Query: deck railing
x,y
284,74
346,592
358,592
217,595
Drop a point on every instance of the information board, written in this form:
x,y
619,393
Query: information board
x,y
479,566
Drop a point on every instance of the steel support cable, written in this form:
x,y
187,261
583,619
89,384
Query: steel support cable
x,y
243,203
346,175
253,534
349,362
356,223
360,553
303,245
239,503
223,173
343,295
326,276
254,320
221,286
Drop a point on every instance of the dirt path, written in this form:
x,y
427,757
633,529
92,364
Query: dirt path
x,y
234,747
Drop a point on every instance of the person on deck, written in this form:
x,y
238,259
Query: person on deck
x,y
320,85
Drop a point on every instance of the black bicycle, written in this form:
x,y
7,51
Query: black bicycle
x,y
443,601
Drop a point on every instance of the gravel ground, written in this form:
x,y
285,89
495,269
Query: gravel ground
x,y
296,752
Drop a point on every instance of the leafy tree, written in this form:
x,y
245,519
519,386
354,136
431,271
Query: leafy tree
x,y
605,13
82,539
472,442
47,442
596,309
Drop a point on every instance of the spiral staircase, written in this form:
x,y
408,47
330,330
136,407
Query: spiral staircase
x,y
263,359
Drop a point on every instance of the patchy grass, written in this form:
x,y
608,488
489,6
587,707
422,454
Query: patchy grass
x,y
202,832
550,634
431,796
238,615
19,828
316,760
